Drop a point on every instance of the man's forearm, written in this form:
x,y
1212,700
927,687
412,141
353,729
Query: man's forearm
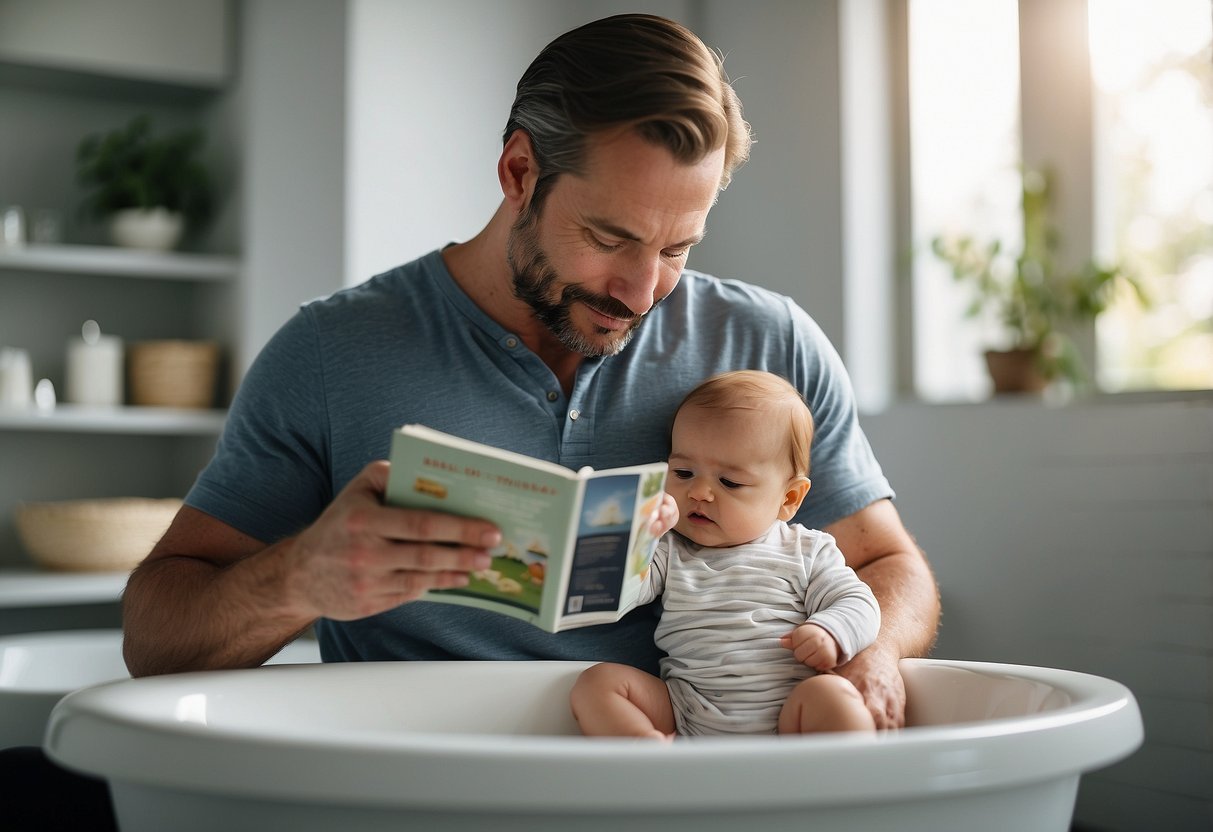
x,y
909,603
184,613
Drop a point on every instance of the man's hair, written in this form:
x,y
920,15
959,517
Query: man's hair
x,y
634,71
767,392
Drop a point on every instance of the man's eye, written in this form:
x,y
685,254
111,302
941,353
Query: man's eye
x,y
677,254
682,473
729,483
603,246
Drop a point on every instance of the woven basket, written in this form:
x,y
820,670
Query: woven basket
x,y
173,373
93,535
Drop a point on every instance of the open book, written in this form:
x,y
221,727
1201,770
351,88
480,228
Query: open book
x,y
575,544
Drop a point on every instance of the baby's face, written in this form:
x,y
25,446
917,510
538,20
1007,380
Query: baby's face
x,y
730,474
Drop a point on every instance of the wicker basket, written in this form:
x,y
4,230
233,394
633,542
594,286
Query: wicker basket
x,y
173,373
93,535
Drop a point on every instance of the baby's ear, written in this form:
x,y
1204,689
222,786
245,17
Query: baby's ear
x,y
793,497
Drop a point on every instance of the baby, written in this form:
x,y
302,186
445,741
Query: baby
x,y
755,610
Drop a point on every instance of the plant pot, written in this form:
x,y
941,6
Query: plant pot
x,y
1015,371
154,229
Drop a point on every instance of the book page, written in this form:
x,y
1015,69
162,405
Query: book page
x,y
531,507
613,547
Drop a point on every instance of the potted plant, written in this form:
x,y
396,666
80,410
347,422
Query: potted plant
x,y
147,187
1032,298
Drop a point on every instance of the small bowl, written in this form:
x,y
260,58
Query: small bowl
x,y
106,535
173,373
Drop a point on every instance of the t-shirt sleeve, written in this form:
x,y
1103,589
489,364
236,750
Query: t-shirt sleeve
x,y
269,474
844,472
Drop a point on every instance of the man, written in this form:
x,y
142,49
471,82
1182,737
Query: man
x,y
566,329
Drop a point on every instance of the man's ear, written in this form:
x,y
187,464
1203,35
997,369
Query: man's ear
x,y
517,170
793,497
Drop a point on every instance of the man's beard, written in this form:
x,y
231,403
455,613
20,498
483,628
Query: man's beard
x,y
534,278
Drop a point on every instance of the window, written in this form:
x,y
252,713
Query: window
x,y
1152,66
1151,154
964,140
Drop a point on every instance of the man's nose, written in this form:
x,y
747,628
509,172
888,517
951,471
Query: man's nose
x,y
636,285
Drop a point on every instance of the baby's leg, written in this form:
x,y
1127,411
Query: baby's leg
x,y
825,702
616,700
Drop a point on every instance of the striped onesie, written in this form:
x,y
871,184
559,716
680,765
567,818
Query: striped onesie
x,y
725,610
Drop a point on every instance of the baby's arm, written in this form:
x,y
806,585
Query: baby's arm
x,y
812,645
653,582
839,602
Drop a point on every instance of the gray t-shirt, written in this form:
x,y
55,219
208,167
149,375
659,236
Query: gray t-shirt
x,y
323,397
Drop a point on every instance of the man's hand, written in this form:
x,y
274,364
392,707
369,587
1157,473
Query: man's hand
x,y
209,596
362,557
813,646
876,676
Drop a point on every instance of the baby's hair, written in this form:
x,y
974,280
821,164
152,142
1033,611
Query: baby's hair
x,y
759,390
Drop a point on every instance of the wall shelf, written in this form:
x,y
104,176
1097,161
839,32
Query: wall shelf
x,y
33,588
119,262
66,418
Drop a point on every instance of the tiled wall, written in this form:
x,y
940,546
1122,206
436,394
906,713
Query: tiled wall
x,y
1078,537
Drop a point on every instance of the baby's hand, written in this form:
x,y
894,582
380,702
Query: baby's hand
x,y
664,517
812,646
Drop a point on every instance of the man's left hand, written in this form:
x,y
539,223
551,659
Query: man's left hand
x,y
876,676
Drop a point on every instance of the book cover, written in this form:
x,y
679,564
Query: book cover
x,y
575,544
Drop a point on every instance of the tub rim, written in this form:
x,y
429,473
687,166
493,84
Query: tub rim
x,y
1103,725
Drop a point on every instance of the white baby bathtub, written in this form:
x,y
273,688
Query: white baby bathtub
x,y
39,669
491,746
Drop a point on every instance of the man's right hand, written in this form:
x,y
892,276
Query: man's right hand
x,y
210,596
362,557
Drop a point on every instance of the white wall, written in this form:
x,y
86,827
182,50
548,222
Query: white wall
x,y
428,97
1078,537
430,87
779,224
291,96
869,243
